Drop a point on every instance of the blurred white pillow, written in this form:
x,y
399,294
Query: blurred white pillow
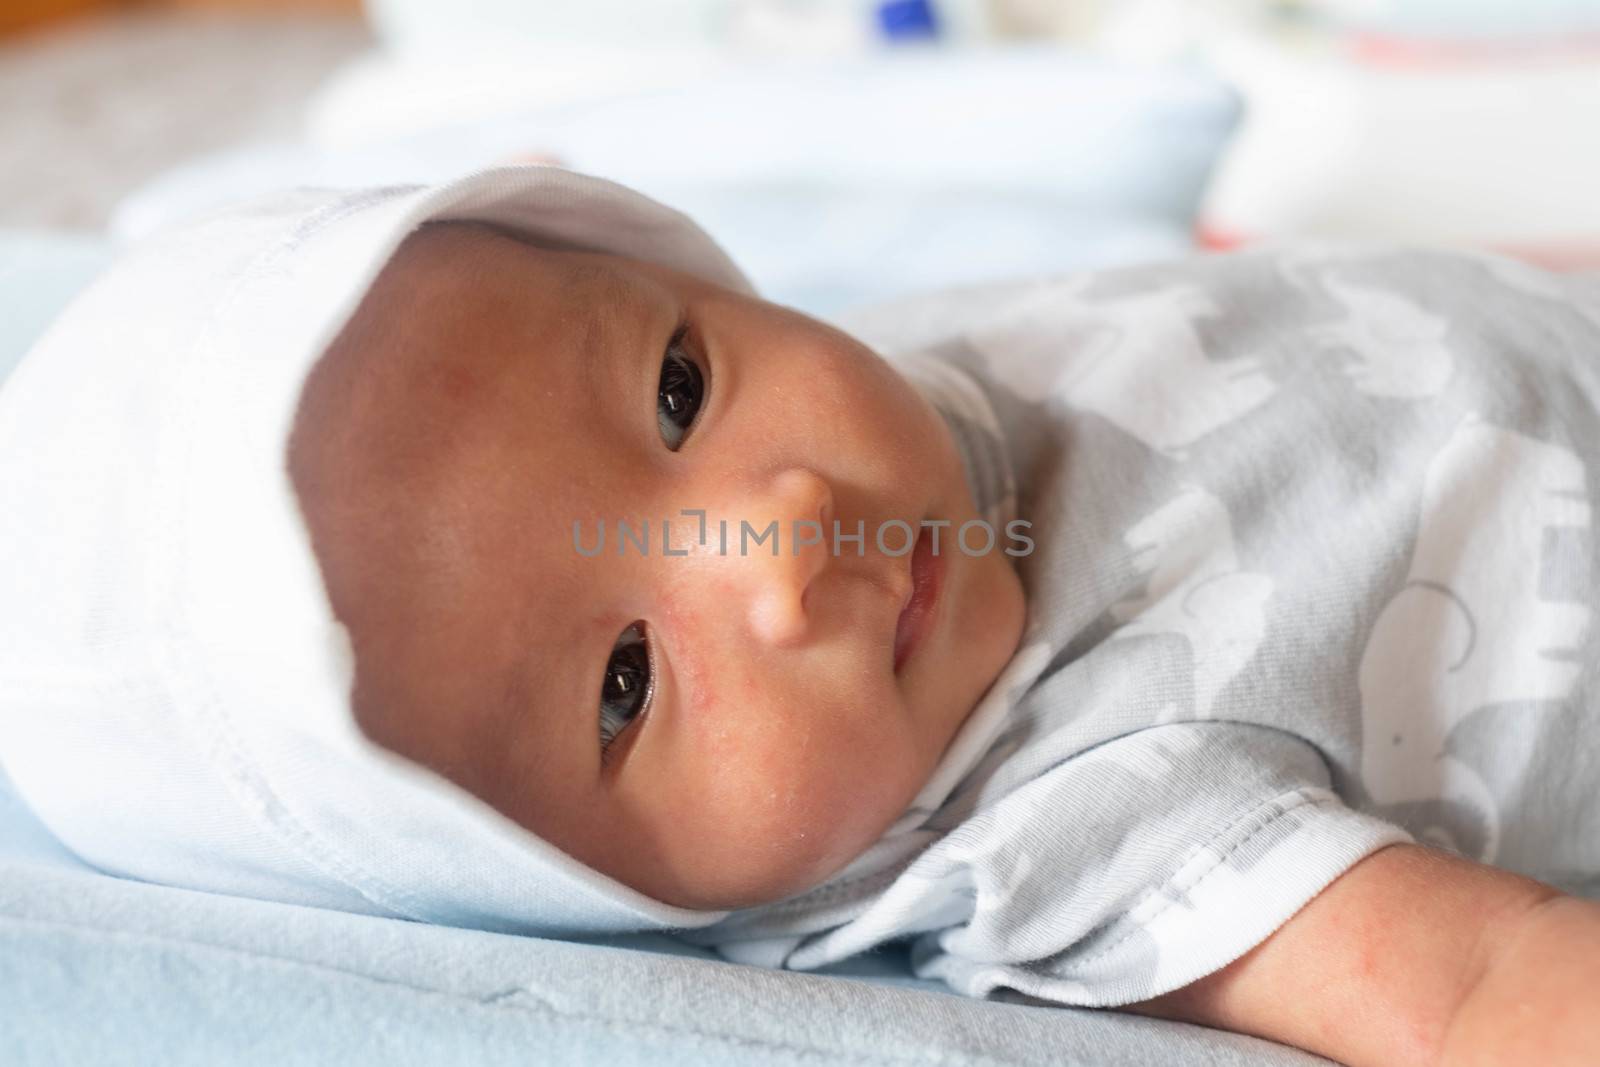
x,y
836,183
1499,152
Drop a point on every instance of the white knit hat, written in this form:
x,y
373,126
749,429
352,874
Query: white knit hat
x,y
174,688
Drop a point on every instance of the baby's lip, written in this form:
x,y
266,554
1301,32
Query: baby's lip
x,y
926,570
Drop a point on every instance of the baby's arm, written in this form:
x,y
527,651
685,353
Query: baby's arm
x,y
1415,956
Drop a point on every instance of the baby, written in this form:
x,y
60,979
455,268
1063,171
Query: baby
x,y
490,554
715,729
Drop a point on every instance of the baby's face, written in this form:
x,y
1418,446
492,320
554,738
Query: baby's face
x,y
714,729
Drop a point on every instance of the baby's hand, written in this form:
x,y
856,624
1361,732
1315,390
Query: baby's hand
x,y
1414,956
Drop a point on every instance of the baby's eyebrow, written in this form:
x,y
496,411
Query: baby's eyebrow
x,y
608,343
602,289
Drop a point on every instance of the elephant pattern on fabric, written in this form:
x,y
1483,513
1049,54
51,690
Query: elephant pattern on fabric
x,y
1196,589
1470,626
1396,348
1137,362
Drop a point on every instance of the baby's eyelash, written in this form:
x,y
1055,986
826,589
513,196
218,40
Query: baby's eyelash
x,y
628,688
681,390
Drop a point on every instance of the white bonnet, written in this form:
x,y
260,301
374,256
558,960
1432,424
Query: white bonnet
x,y
173,684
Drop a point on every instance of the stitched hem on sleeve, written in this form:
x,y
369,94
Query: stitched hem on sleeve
x,y
1213,909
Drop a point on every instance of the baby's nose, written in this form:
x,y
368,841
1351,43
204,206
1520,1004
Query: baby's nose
x,y
777,583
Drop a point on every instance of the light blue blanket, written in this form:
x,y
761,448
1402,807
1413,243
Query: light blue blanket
x,y
102,970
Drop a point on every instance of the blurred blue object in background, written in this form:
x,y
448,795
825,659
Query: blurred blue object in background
x,y
907,20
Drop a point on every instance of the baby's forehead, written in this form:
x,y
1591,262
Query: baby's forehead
x,y
453,296
415,433
471,344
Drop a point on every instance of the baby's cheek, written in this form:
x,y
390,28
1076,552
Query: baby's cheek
x,y
787,767
820,785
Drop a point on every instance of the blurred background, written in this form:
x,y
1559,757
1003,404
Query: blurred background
x,y
844,151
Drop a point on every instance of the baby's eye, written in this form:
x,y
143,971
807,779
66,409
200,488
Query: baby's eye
x,y
628,684
680,394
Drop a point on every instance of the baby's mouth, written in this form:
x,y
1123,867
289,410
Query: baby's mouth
x,y
916,615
